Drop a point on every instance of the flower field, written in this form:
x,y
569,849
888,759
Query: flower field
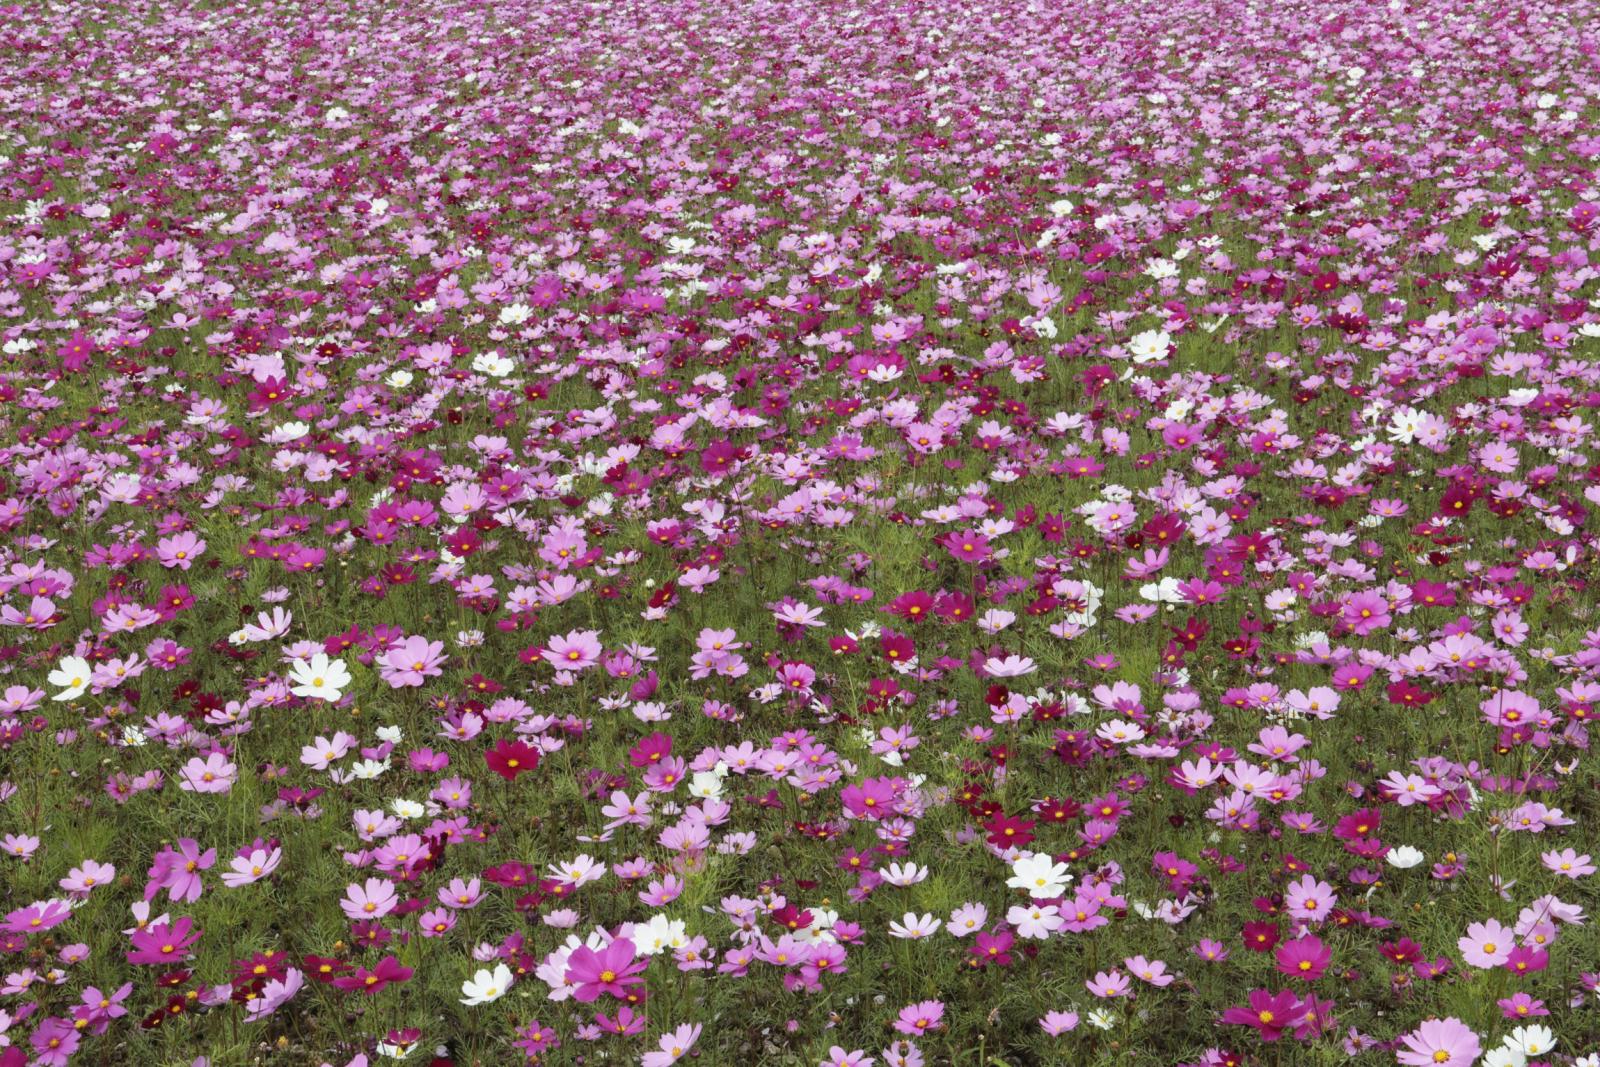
x,y
868,533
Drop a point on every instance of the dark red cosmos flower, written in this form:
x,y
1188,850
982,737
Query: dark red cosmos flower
x,y
510,758
1260,936
268,393
322,968
1008,830
897,646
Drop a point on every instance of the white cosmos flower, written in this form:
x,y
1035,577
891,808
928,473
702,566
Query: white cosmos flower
x,y
1404,424
1150,346
322,677
1166,591
659,934
1161,268
904,874
368,769
73,674
486,985
493,365
1508,1057
706,785
914,927
1531,1040
1040,875
1404,857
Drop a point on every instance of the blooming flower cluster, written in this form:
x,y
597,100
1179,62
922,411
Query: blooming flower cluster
x,y
789,532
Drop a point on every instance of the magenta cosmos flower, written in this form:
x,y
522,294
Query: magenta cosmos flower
x,y
611,969
1269,1014
163,943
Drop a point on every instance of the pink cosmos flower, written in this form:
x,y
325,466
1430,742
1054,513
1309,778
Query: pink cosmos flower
x,y
1440,1043
1109,984
54,1042
1568,863
576,651
38,917
412,662
672,1047
1152,971
919,1018
22,846
1487,944
1056,1023
178,871
1309,900
180,550
460,894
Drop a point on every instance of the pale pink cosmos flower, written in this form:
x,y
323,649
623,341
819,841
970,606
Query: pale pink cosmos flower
x,y
672,1047
372,900
258,864
87,876
214,774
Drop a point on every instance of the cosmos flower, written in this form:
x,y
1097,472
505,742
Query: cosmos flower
x,y
320,677
486,986
1445,1042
